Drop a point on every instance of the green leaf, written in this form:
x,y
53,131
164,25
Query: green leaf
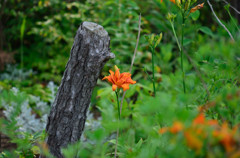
x,y
36,149
207,31
22,28
187,42
195,15
139,144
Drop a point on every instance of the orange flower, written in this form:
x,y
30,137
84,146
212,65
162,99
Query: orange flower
x,y
200,119
176,127
199,6
163,130
212,122
226,137
193,141
119,80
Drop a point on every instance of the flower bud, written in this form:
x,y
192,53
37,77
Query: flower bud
x,y
187,4
151,39
116,68
171,16
178,3
158,39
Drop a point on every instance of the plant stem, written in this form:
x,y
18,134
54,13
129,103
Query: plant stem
x,y
22,29
149,77
233,20
175,35
115,154
118,104
190,59
21,53
181,51
153,76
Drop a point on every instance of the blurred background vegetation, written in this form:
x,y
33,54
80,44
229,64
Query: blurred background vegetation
x,y
43,31
36,38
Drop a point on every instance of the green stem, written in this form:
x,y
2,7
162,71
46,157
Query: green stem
x,y
175,35
181,51
21,53
153,73
233,20
115,154
149,77
118,104
119,11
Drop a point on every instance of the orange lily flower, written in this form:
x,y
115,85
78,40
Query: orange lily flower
x,y
199,6
176,127
193,141
226,137
212,122
200,120
163,130
119,80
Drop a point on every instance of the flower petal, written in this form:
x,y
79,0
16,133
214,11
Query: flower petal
x,y
114,87
125,87
109,78
193,141
117,75
113,77
163,130
106,77
130,81
176,127
125,74
200,119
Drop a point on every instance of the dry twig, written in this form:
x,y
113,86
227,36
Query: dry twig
x,y
219,21
134,55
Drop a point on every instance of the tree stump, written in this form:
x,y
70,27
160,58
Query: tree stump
x,y
89,53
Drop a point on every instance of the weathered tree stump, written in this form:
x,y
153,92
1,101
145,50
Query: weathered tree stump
x,y
89,53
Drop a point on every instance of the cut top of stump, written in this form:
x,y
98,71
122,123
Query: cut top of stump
x,y
95,28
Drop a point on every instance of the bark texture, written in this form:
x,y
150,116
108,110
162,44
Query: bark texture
x,y
89,53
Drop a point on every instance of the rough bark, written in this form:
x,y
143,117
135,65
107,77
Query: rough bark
x,y
89,53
